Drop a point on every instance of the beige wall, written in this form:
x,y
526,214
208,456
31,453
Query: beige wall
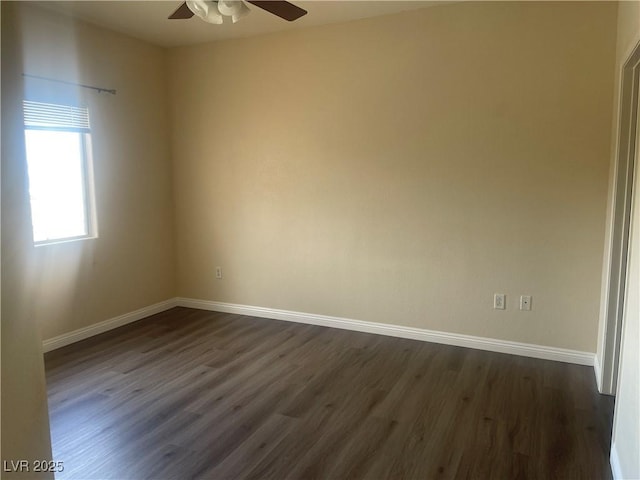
x,y
403,169
131,264
25,422
399,170
626,434
51,290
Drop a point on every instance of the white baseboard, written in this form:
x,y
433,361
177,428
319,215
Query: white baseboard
x,y
480,343
614,461
456,339
115,322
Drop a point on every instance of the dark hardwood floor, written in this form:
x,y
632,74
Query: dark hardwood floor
x,y
194,394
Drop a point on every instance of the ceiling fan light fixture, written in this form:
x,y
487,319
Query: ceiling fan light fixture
x,y
228,7
206,10
213,17
236,9
198,7
243,11
212,11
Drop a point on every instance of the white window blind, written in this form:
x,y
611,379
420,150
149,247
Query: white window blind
x,y
49,116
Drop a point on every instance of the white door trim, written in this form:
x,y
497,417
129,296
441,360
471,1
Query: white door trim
x,y
617,249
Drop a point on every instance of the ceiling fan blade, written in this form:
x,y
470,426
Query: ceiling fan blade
x,y
181,13
282,9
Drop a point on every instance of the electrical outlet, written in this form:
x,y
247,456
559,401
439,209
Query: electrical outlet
x,y
218,272
499,301
525,302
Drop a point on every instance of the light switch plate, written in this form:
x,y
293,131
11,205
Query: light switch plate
x,y
525,302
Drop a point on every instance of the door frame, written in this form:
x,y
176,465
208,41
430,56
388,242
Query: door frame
x,y
618,248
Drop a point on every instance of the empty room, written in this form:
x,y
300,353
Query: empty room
x,y
249,239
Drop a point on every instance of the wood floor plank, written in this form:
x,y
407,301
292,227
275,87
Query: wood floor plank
x,y
258,446
204,395
350,417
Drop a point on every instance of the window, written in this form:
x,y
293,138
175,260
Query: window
x,y
57,141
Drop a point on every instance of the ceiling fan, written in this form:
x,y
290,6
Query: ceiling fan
x,y
213,11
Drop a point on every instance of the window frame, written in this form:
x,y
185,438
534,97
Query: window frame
x,y
86,174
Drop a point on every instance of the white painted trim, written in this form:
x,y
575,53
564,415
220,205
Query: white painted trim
x,y
101,327
614,461
619,219
456,339
597,370
480,343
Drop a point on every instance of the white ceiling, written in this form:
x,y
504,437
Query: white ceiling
x,y
147,20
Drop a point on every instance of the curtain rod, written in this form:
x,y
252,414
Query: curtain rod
x,y
98,89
